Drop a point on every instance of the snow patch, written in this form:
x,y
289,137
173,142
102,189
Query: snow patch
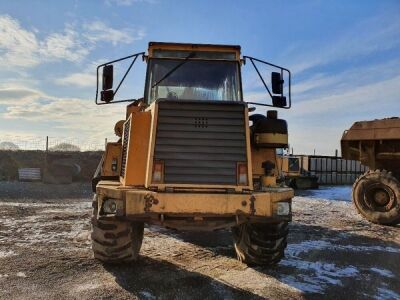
x,y
3,275
339,192
295,250
382,272
386,294
86,286
323,274
7,253
147,295
21,274
316,276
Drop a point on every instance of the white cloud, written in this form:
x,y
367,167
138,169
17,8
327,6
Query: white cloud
x,y
373,35
74,116
372,98
17,94
99,31
23,48
78,79
18,46
66,45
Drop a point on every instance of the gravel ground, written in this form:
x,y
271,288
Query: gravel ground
x,y
332,253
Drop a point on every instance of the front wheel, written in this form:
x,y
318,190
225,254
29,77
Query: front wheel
x,y
376,195
260,243
115,241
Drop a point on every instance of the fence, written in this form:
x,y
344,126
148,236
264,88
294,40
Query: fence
x,y
49,143
335,170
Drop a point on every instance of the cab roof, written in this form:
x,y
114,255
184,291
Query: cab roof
x,y
165,46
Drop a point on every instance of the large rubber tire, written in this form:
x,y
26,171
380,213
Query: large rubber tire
x,y
376,195
260,243
115,241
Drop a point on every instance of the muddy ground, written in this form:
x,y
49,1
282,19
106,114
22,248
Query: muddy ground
x,y
332,253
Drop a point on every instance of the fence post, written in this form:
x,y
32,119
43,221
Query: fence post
x,y
47,143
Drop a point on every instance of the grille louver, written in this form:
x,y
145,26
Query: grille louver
x,y
125,142
200,142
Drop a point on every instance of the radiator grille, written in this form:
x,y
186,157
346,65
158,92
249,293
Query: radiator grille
x,y
200,142
125,141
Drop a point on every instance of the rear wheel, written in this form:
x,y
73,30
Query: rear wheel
x,y
115,241
376,195
260,243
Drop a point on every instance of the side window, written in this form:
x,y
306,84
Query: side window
x,y
294,165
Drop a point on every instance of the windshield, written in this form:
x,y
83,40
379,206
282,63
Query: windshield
x,y
193,80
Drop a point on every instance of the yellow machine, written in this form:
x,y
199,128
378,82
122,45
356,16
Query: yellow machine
x,y
294,170
376,144
191,158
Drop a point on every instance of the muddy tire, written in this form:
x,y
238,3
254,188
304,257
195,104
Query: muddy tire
x,y
260,243
115,241
376,195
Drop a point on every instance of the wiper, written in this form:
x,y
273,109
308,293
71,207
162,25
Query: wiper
x,y
191,55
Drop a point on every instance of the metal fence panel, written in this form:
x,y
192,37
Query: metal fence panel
x,y
29,174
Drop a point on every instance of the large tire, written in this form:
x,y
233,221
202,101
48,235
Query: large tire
x,y
376,195
260,243
115,241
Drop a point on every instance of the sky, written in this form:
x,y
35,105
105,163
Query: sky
x,y
344,57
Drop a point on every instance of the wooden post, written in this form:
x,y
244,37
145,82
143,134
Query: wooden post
x,y
47,143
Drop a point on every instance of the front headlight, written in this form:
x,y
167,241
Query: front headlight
x,y
113,206
283,208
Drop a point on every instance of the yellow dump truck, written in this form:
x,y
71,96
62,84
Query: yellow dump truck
x,y
190,157
376,144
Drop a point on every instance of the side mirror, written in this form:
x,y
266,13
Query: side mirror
x,y
107,96
277,83
108,75
279,101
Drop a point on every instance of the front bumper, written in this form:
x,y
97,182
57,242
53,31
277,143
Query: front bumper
x,y
140,203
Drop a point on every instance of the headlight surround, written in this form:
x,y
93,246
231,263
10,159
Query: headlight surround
x,y
283,208
112,206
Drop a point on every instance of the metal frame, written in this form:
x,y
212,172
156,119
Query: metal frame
x,y
252,59
134,56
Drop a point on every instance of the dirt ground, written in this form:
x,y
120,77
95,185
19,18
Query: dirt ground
x,y
332,254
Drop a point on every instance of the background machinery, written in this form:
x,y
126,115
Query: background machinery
x,y
190,157
376,144
294,172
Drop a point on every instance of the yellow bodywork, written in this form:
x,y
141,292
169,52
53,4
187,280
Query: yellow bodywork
x,y
139,196
113,153
271,138
142,202
138,124
193,47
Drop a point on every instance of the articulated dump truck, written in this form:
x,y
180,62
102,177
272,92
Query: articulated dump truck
x,y
190,157
376,144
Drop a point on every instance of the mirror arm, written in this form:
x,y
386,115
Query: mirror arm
x,y
118,101
263,104
259,75
126,73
